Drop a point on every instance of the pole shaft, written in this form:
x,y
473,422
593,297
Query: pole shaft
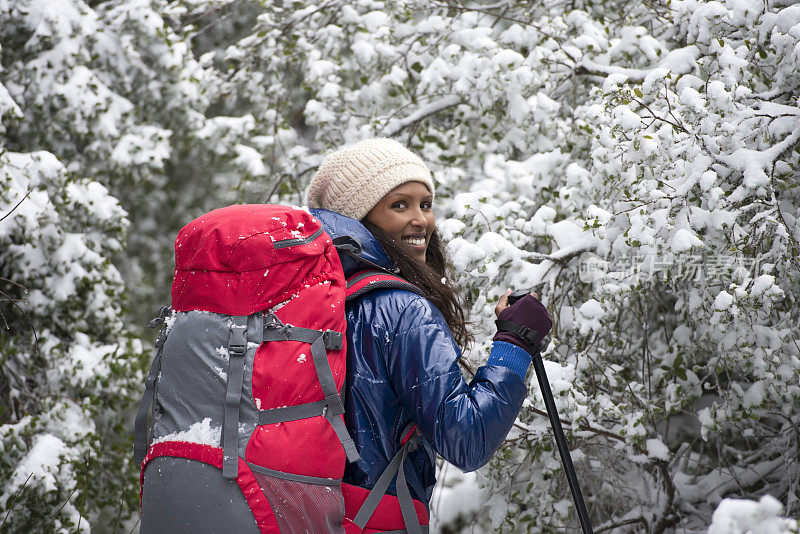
x,y
561,442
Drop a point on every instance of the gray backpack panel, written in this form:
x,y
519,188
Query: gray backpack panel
x,y
199,500
193,379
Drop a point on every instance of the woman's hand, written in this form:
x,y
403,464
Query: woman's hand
x,y
527,312
502,304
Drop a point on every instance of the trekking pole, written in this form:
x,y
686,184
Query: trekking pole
x,y
561,442
532,339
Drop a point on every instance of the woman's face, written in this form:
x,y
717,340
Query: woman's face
x,y
406,214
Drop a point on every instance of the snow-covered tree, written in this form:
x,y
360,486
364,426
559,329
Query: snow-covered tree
x,y
634,162
102,131
68,361
118,96
662,134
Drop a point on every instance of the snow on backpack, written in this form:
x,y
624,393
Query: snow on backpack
x,y
249,367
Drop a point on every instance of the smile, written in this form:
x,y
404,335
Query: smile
x,y
416,241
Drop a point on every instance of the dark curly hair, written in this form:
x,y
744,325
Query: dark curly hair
x,y
430,277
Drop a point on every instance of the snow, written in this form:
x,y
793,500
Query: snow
x,y
221,373
707,422
41,463
88,361
567,233
250,160
449,228
149,145
7,103
321,68
764,285
318,113
375,20
201,432
723,301
626,117
755,395
216,127
598,213
397,125
458,494
463,253
590,314
657,449
741,516
684,240
94,197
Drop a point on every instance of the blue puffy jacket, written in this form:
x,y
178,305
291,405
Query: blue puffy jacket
x,y
402,366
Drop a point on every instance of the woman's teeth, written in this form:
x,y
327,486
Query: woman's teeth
x,y
416,241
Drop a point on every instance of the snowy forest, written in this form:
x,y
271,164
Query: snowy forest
x,y
635,162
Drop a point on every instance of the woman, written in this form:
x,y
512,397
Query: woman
x,y
402,348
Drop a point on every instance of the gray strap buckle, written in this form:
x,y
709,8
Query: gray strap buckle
x,y
332,339
163,313
334,404
276,330
237,345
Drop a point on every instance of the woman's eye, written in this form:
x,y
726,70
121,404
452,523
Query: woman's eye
x,y
399,205
426,205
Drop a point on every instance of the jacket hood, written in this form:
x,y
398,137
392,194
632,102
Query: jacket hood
x,y
338,225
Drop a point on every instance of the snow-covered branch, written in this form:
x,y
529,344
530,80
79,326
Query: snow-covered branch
x,y
395,126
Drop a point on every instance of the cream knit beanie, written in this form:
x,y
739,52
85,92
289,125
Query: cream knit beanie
x,y
353,179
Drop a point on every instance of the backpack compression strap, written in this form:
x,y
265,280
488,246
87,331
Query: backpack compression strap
x,y
365,281
237,348
332,407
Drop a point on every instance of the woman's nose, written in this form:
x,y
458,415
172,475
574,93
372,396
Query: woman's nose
x,y
418,219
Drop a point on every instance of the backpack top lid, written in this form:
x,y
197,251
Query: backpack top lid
x,y
243,259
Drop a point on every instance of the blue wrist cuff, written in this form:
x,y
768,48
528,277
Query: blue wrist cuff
x,y
511,356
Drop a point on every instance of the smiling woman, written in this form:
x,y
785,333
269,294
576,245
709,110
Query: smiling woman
x,y
406,400
406,214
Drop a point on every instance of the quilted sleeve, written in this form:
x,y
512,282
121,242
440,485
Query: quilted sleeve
x,y
465,422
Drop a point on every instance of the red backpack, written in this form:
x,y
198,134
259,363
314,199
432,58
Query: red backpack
x,y
249,367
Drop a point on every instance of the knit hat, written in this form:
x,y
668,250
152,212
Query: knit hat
x,y
353,179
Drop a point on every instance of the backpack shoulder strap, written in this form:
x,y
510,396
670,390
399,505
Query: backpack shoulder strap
x,y
409,442
365,281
